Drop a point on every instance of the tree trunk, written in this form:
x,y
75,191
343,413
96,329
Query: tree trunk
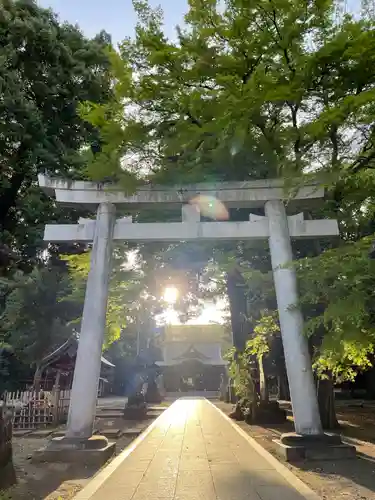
x,y
37,378
326,400
9,196
282,377
238,308
370,382
283,386
263,382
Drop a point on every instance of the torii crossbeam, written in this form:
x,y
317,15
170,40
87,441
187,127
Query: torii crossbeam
x,y
275,226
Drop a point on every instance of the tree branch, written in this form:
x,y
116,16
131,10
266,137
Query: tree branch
x,y
193,120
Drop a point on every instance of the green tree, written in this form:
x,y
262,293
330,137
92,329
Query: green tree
x,y
339,283
246,91
47,69
36,319
250,90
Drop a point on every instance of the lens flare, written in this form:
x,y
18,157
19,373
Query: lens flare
x,y
211,207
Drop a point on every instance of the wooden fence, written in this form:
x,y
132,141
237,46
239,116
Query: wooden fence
x,y
33,410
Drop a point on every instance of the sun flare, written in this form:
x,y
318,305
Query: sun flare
x,y
170,295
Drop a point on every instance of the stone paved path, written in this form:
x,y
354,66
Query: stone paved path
x,y
194,453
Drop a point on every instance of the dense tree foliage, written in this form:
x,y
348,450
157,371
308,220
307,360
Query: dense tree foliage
x,y
36,319
132,297
259,89
275,81
47,70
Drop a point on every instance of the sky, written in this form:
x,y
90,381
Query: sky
x,y
117,17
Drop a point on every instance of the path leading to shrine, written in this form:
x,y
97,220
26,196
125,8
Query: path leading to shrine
x,y
194,452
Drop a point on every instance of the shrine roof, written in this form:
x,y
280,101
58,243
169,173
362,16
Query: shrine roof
x,y
68,348
193,354
196,333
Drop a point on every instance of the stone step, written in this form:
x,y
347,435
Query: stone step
x,y
61,433
111,433
110,415
21,432
133,432
110,409
40,433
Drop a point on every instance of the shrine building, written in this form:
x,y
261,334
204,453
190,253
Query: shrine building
x,y
193,358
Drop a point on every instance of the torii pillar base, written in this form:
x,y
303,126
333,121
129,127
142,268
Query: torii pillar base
x,y
293,447
95,451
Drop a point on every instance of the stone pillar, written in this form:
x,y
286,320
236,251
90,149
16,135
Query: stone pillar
x,y
190,213
297,357
88,363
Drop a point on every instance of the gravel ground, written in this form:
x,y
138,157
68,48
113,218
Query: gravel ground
x,y
333,480
57,481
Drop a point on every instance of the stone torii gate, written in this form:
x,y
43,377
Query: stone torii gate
x,y
276,226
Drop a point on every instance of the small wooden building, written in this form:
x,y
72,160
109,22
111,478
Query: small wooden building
x,y
57,369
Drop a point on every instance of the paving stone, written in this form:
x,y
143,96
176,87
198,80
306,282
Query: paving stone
x,y
194,464
120,486
163,487
252,460
194,495
136,465
164,466
194,453
195,484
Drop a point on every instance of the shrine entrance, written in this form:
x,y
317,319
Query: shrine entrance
x,y
281,220
192,358
192,376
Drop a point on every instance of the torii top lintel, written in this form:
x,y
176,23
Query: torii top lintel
x,y
233,194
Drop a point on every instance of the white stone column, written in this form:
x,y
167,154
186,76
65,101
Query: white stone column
x,y
88,363
297,357
190,213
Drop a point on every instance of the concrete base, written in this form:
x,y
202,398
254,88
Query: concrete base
x,y
294,447
93,451
135,412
